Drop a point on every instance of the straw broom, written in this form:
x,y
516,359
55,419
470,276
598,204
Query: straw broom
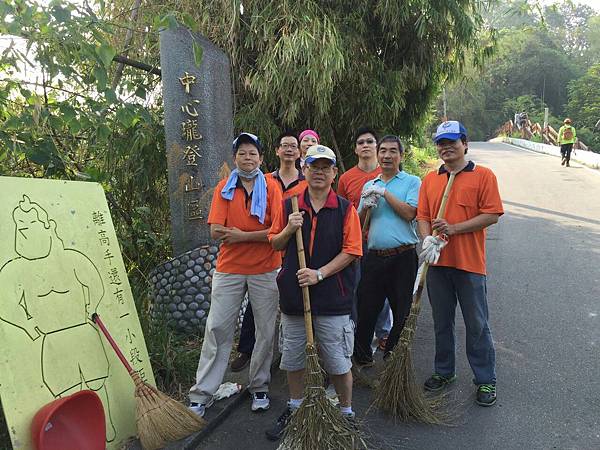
x,y
317,424
159,418
398,393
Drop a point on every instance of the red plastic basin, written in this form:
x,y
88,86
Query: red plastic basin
x,y
75,422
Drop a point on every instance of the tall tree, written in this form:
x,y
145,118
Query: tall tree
x,y
334,65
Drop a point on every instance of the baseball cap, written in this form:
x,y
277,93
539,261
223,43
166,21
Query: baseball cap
x,y
318,152
451,129
248,138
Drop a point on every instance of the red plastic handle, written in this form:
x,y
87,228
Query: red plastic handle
x,y
113,344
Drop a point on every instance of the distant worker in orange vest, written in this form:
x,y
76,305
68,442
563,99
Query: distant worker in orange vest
x,y
567,136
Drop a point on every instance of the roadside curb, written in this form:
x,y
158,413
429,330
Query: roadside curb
x,y
214,423
589,159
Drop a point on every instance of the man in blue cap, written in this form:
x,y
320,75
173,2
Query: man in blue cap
x,y
458,273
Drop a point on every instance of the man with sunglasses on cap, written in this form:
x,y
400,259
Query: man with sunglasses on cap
x,y
332,242
457,257
240,216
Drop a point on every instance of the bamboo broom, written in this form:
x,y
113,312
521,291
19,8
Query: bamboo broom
x,y
317,424
159,418
398,392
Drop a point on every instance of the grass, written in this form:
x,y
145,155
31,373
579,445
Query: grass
x,y
420,160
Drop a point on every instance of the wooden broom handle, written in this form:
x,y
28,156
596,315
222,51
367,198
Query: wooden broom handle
x,y
310,339
440,215
366,224
442,210
113,344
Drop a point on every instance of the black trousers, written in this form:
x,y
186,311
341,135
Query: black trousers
x,y
247,336
565,151
390,277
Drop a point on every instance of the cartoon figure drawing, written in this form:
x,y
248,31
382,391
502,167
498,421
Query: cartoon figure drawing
x,y
50,292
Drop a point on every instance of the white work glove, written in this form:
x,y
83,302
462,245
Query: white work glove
x,y
370,196
369,202
432,247
374,189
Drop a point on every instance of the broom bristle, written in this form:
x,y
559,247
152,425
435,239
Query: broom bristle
x,y
398,393
161,419
317,423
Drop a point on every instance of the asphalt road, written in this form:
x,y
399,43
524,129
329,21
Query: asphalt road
x,y
544,297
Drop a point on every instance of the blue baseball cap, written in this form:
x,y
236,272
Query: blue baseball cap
x,y
451,129
248,138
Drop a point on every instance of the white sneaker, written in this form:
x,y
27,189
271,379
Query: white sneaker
x,y
260,401
200,408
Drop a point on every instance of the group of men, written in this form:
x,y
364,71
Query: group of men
x,y
361,254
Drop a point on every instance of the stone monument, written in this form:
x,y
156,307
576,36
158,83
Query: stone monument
x,y
199,130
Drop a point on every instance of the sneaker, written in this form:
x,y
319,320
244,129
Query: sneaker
x,y
351,418
240,363
200,408
562,163
568,165
486,394
275,433
381,343
260,401
437,382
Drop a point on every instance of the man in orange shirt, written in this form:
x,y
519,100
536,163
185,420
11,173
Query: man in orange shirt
x,y
290,182
458,271
240,217
332,242
350,186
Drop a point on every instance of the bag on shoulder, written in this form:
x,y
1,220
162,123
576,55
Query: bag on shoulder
x,y
568,133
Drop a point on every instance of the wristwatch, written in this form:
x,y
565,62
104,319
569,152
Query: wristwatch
x,y
319,275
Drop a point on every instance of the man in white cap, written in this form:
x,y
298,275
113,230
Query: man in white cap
x,y
332,242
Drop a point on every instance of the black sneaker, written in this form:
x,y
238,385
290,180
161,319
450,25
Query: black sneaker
x,y
486,394
438,382
275,433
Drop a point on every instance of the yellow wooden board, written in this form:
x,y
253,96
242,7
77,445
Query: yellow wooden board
x,y
59,263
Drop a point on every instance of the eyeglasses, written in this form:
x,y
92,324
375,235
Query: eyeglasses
x,y
289,146
365,141
324,170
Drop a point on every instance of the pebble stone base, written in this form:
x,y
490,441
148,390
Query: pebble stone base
x,y
181,289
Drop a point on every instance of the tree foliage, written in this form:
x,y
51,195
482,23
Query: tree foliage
x,y
65,121
584,105
334,65
540,52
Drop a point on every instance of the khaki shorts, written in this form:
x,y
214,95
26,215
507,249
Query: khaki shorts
x,y
334,336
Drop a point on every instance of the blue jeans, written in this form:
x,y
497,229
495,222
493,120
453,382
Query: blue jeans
x,y
446,286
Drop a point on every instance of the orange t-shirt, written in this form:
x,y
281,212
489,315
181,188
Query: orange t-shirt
x,y
352,240
294,188
246,258
474,192
352,181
